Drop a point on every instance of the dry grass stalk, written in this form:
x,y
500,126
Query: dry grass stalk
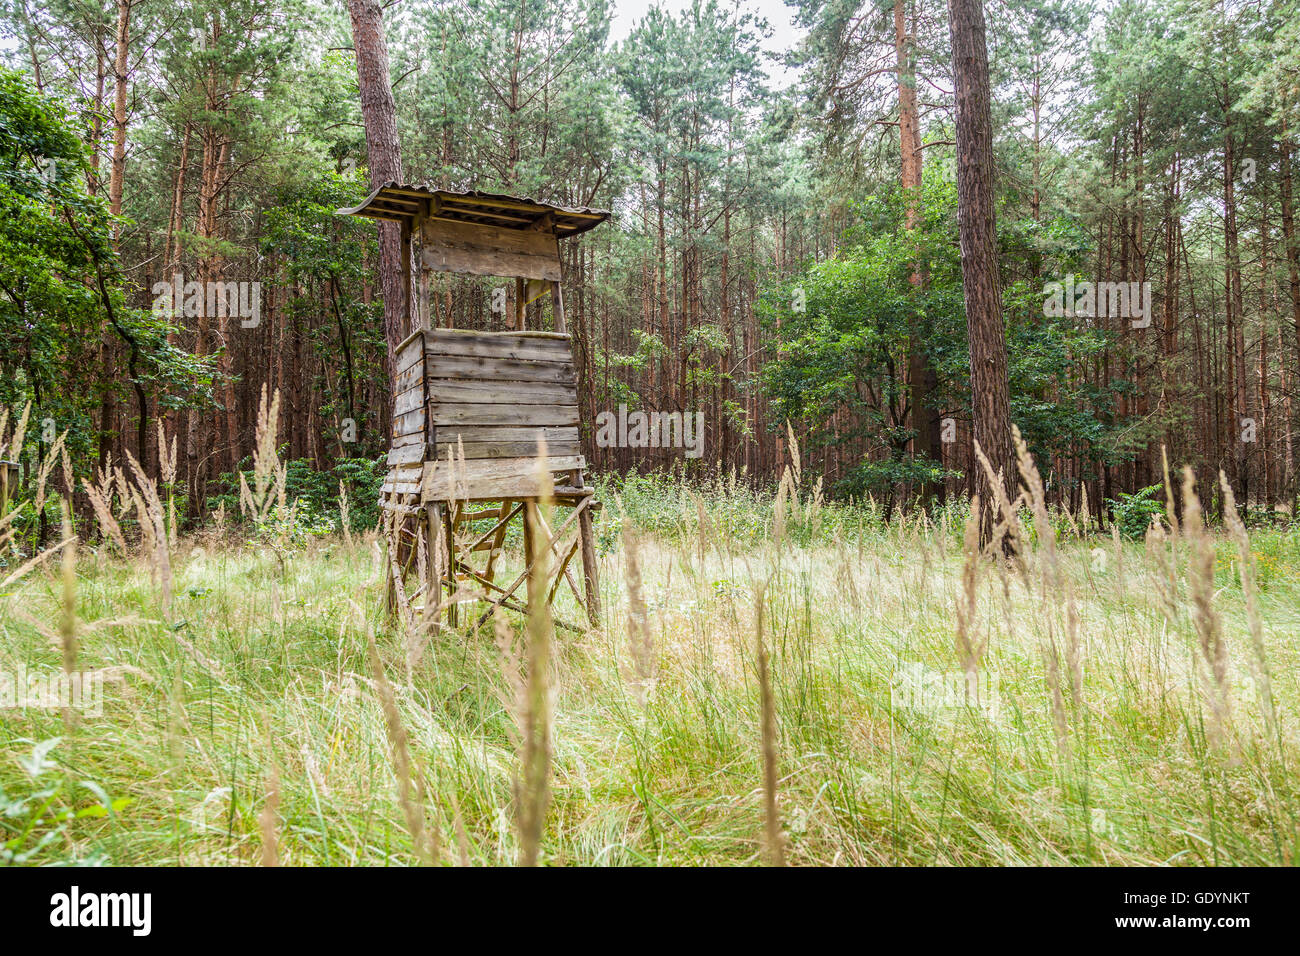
x,y
1038,504
167,466
398,741
971,646
1053,583
69,481
154,526
640,639
533,782
32,562
266,821
10,448
1250,591
1162,578
47,465
269,475
1205,620
796,465
101,501
344,519
68,608
779,511
166,456
13,447
774,838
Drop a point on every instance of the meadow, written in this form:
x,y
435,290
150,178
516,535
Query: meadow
x,y
776,679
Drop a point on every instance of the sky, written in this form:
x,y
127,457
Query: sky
x,y
626,13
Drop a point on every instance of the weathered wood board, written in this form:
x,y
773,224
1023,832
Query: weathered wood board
x,y
483,369
460,413
514,346
489,396
488,478
475,249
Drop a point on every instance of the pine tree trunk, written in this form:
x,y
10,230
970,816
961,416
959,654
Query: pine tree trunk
x,y
990,401
921,377
379,113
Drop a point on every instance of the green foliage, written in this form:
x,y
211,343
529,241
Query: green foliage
x,y
1133,512
848,324
880,478
312,496
37,822
61,288
325,258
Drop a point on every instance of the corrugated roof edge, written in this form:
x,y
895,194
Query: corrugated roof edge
x,y
594,217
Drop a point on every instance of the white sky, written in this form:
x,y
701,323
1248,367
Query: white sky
x,y
626,13
779,17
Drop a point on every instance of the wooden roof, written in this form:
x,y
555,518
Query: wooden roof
x,y
399,202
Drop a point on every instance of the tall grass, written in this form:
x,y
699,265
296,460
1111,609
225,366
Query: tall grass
x,y
892,697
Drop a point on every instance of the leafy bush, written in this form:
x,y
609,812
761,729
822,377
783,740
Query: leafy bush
x,y
317,492
1133,513
879,478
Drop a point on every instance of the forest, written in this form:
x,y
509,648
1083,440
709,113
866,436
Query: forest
x,y
964,531
782,254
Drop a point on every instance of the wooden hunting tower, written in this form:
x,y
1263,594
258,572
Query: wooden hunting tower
x,y
483,416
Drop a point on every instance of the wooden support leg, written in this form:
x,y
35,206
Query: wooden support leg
x,y
557,300
530,532
498,540
390,590
590,571
433,566
537,545
448,523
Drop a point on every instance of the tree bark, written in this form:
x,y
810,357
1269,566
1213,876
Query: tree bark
x,y
990,400
379,113
921,376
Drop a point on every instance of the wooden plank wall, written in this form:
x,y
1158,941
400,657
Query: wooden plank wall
x,y
491,394
472,249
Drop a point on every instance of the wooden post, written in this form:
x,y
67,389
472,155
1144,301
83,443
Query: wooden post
x,y
408,260
433,567
557,300
498,540
520,305
529,515
4,486
590,570
453,614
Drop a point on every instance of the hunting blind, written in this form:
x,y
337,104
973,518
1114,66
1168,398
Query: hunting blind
x,y
483,416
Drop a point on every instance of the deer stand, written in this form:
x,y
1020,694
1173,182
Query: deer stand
x,y
485,424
